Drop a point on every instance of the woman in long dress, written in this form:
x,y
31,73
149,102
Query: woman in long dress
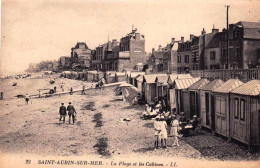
x,y
174,130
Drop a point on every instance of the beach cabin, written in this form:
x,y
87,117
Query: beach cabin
x,y
92,76
171,102
150,87
245,114
120,77
127,74
133,76
140,87
192,94
207,104
110,76
183,100
161,86
100,75
222,105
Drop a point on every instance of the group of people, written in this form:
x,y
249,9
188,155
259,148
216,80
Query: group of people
x,y
160,128
71,112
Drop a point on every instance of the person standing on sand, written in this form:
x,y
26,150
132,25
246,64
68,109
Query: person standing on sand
x,y
71,91
62,86
62,112
174,130
26,98
157,130
83,89
2,96
163,134
55,88
71,112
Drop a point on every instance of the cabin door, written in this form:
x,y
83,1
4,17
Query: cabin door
x,y
172,96
207,108
239,120
186,104
221,120
212,113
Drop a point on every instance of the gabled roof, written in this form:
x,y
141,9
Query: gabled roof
x,y
135,74
120,74
140,78
151,77
178,76
161,79
199,84
185,83
228,86
158,54
212,85
249,25
251,88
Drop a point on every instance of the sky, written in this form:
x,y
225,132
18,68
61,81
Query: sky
x,y
34,31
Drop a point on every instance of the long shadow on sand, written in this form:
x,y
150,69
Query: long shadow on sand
x,y
89,106
116,100
143,150
149,125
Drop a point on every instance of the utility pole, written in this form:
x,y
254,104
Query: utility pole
x,y
227,40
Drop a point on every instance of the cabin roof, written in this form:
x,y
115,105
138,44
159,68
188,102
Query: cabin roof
x,y
199,84
161,79
185,83
251,88
228,86
92,72
178,76
140,78
120,74
212,85
135,74
151,77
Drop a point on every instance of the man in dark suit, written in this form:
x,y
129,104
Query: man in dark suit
x,y
63,112
71,112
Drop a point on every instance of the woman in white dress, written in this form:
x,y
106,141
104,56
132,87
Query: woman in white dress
x,y
174,130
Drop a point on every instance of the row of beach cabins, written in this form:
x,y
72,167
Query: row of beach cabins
x,y
229,108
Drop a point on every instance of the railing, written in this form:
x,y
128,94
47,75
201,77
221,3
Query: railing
x,y
226,74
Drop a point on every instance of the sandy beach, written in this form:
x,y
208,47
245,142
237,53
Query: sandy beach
x,y
98,131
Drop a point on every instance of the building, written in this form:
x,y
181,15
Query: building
x,y
156,60
244,45
64,62
81,56
184,53
110,61
131,51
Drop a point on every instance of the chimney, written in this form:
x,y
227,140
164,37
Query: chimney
x,y
191,36
137,36
153,50
214,30
182,39
173,40
231,26
203,32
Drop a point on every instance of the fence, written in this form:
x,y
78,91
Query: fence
x,y
226,74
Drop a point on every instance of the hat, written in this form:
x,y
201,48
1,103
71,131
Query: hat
x,y
158,105
195,116
146,105
157,117
62,103
69,102
162,117
182,113
173,116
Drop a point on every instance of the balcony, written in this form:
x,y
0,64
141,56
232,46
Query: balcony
x,y
124,54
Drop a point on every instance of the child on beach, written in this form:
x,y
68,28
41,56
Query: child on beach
x,y
163,134
157,130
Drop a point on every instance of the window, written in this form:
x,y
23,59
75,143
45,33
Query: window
x,y
187,58
238,52
236,108
178,59
213,55
242,109
223,53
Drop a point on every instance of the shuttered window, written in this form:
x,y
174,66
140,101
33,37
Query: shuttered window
x,y
236,108
242,109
